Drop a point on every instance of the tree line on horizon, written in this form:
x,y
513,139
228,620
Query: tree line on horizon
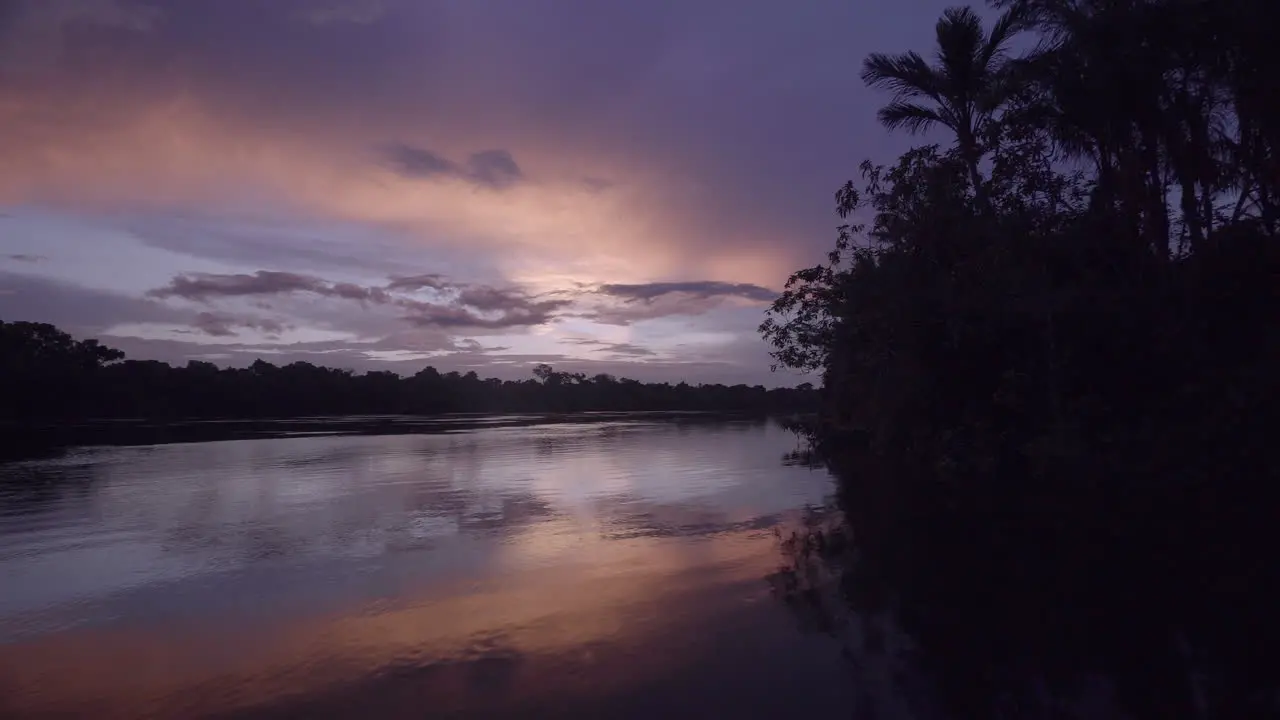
x,y
1050,350
47,376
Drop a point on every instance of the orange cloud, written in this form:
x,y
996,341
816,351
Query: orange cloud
x,y
553,226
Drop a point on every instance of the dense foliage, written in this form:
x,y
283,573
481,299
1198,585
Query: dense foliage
x,y
1050,359
47,376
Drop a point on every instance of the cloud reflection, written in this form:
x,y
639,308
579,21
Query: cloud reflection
x,y
503,567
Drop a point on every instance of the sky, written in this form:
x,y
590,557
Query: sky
x,y
469,184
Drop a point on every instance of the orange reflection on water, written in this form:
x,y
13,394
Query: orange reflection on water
x,y
571,615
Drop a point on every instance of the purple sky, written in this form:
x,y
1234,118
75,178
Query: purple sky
x,y
470,184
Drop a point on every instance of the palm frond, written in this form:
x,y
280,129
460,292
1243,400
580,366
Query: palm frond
x,y
906,75
960,39
913,118
1010,23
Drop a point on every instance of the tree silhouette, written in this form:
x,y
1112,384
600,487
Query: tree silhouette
x,y
49,379
1045,401
961,92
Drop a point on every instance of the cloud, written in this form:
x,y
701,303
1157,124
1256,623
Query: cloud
x,y
455,305
516,310
432,281
24,258
470,305
219,325
215,325
625,304
203,286
416,162
474,346
616,348
494,169
705,289
351,291
206,286
483,297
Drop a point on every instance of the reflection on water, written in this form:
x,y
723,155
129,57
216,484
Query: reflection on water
x,y
611,567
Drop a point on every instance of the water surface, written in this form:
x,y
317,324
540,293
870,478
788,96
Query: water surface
x,y
596,568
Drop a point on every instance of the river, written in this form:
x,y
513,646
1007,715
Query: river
x,y
608,567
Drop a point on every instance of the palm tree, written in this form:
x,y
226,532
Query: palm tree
x,y
962,91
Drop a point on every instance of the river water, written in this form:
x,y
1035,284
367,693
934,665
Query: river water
x,y
602,568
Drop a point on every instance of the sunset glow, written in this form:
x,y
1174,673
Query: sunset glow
x,y
355,142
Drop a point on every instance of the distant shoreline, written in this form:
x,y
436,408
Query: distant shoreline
x,y
27,442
